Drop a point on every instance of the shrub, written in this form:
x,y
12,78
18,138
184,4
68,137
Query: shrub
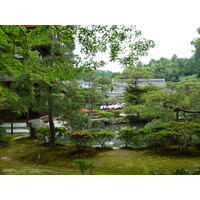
x,y
186,131
116,112
94,113
43,134
161,138
4,142
178,172
197,172
103,136
181,172
81,139
186,172
104,114
2,133
134,112
85,165
2,171
144,131
96,123
127,135
3,138
156,173
172,133
155,123
77,120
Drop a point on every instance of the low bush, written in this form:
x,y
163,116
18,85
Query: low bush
x,y
144,131
102,137
96,123
116,112
85,165
43,134
2,132
2,171
77,120
156,173
181,172
3,138
178,172
128,136
104,114
187,131
81,139
4,142
161,139
180,134
196,172
94,114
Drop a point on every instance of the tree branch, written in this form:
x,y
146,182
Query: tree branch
x,y
8,35
176,109
14,43
25,38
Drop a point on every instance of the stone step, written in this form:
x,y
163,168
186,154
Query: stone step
x,y
18,128
15,125
18,131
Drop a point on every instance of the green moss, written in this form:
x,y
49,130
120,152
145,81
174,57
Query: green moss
x,y
31,157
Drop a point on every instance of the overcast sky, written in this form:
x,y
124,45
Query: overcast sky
x,y
171,24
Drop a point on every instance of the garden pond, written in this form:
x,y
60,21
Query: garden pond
x,y
115,143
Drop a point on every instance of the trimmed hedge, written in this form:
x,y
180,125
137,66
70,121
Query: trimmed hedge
x,y
102,137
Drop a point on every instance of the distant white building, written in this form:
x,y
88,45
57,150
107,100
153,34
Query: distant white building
x,y
118,88
84,84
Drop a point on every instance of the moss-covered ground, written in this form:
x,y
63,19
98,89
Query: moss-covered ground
x,y
26,156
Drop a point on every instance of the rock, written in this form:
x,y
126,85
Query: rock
x,y
113,121
37,123
101,120
104,120
123,121
6,159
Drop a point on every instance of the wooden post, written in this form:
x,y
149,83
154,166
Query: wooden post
x,y
11,127
27,118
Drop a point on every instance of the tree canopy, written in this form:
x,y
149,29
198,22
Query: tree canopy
x,y
46,53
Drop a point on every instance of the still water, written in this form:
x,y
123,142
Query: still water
x,y
115,143
118,127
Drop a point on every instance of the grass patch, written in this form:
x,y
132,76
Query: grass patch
x,y
27,156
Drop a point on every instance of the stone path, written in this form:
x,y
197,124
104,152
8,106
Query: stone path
x,y
7,159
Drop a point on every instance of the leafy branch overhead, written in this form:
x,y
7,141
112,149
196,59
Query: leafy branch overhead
x,y
122,43
46,56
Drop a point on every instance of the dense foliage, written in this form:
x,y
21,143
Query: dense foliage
x,y
106,114
43,134
178,172
2,132
46,55
128,136
103,137
85,165
81,139
180,134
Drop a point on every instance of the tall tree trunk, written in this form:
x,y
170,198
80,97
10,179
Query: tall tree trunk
x,y
51,123
52,141
177,115
12,128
